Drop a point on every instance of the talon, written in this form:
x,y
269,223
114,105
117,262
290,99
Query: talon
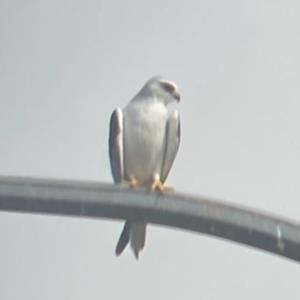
x,y
132,183
157,185
167,188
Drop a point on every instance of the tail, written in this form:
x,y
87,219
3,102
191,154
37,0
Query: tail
x,y
137,237
136,233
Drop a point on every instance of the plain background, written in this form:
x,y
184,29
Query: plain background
x,y
65,65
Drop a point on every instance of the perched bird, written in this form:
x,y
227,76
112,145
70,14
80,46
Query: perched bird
x,y
143,142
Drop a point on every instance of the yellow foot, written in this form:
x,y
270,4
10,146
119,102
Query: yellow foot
x,y
157,185
132,183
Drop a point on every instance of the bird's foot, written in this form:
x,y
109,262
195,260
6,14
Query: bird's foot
x,y
132,183
157,185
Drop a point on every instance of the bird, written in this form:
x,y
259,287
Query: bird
x,y
144,138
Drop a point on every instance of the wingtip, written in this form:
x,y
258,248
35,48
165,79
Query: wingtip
x,y
118,251
123,240
136,254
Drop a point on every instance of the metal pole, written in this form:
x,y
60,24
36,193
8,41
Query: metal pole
x,y
209,216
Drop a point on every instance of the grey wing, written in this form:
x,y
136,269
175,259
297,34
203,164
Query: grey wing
x,y
124,238
172,141
116,145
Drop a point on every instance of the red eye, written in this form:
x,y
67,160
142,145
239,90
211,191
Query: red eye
x,y
168,87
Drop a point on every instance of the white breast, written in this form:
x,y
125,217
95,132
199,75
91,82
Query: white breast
x,y
144,132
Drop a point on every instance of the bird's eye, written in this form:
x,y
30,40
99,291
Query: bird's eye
x,y
168,87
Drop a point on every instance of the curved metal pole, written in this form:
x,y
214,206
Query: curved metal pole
x,y
209,216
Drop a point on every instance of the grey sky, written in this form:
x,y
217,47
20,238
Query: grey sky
x,y
65,65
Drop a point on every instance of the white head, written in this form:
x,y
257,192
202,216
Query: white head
x,y
159,89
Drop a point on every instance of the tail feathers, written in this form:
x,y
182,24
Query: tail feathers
x,y
136,234
124,238
137,238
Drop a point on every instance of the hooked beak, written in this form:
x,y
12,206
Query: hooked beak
x,y
177,95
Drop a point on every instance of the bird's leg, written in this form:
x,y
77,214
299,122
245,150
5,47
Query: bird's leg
x,y
158,185
132,182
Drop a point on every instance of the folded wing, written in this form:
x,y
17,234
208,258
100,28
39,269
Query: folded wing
x,y
172,141
116,145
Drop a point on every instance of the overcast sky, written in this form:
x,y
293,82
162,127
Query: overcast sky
x,y
65,65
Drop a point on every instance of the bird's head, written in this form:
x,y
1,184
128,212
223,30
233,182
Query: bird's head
x,y
161,89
